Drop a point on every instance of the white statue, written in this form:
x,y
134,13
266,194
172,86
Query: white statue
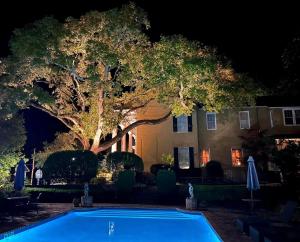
x,y
86,189
191,189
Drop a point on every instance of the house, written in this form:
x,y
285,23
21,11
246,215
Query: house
x,y
194,140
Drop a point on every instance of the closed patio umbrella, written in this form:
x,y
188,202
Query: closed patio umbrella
x,y
252,179
20,176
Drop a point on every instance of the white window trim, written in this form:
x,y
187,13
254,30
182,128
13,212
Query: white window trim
x,y
215,120
248,114
294,116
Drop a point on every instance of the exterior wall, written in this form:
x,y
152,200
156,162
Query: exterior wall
x,y
228,133
154,140
279,129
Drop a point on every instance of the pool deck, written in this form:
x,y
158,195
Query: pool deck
x,y
222,219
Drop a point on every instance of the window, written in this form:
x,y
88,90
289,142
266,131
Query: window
x,y
244,120
184,157
236,157
291,117
205,157
211,121
182,124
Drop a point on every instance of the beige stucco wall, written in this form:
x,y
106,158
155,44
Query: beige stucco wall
x,y
155,140
228,132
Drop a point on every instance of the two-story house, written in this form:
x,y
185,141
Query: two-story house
x,y
194,140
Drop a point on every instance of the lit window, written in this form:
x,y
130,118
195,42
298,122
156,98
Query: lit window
x,y
244,120
182,124
291,116
184,157
211,121
236,157
205,157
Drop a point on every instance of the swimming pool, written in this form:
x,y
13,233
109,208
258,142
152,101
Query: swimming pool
x,y
116,225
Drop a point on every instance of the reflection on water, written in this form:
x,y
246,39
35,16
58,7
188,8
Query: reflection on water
x,y
111,228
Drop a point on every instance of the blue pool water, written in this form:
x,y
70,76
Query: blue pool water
x,y
119,225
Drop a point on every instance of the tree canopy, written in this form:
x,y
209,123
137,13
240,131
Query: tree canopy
x,y
94,72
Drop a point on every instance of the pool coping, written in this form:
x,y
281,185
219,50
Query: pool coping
x,y
85,209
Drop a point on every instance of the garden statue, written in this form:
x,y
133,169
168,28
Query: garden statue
x,y
86,200
191,202
86,189
191,189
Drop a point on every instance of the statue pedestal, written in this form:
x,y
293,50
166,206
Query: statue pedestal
x,y
86,201
190,203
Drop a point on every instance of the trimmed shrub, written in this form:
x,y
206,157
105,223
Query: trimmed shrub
x,y
125,181
72,166
146,178
214,170
166,182
211,193
127,159
157,167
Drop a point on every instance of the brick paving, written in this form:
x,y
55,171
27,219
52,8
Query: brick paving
x,y
222,219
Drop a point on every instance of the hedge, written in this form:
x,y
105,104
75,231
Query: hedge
x,y
129,160
60,194
166,182
125,182
233,192
72,166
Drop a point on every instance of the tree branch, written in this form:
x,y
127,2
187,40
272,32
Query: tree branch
x,y
37,106
107,144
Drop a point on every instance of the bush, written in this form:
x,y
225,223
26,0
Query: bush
x,y
72,166
127,159
125,181
66,193
155,168
220,192
145,178
166,182
214,170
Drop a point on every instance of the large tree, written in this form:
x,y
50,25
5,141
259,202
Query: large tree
x,y
94,72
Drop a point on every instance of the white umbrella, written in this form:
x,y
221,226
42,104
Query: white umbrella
x,y
252,179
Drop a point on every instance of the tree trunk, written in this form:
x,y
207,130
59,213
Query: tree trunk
x,y
107,144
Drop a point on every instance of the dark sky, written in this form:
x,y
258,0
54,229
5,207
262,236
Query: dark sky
x,y
253,35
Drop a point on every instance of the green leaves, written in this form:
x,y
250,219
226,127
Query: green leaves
x,y
64,66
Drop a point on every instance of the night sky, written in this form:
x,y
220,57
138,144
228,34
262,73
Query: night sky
x,y
251,34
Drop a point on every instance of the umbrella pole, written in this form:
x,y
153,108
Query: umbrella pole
x,y
251,200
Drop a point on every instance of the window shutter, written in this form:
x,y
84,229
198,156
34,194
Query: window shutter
x,y
175,157
174,124
190,124
191,151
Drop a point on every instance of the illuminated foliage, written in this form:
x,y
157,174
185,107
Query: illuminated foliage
x,y
12,140
94,72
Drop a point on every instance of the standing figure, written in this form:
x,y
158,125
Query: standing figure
x,y
191,191
86,189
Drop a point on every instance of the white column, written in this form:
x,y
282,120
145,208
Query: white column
x,y
123,143
130,142
114,146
